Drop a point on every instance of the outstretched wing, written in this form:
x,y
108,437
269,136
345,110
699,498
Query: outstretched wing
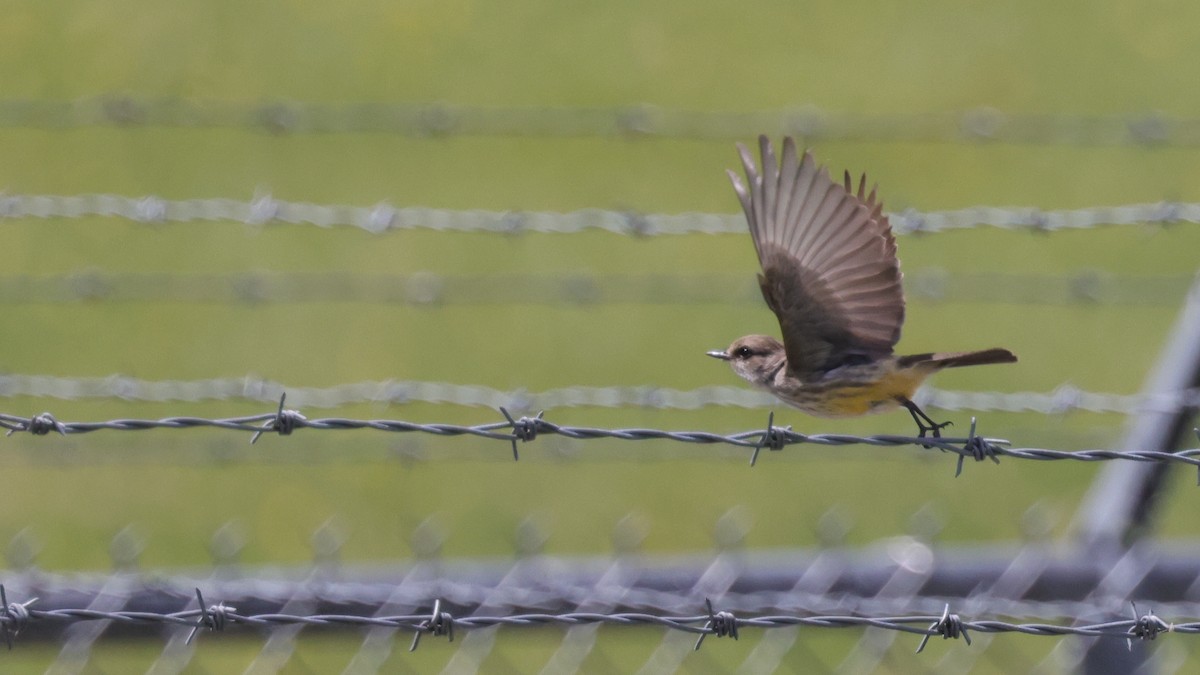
x,y
829,266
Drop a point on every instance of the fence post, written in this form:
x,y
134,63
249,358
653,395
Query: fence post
x,y
1120,506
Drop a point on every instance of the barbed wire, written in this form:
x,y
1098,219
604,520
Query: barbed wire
x,y
840,583
16,616
264,210
1087,287
642,600
473,585
424,120
1061,400
525,429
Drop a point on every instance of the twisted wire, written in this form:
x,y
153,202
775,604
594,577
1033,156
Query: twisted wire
x,y
1065,398
428,289
650,592
264,209
219,617
425,120
526,429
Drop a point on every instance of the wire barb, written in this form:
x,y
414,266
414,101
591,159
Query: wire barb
x,y
950,627
720,624
38,425
1145,627
439,623
524,429
213,618
13,617
978,448
773,438
284,422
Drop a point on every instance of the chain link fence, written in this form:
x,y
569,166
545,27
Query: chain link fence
x,y
779,599
884,601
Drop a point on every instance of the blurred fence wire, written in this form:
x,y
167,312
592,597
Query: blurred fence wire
x,y
721,624
1055,583
526,429
900,585
1064,399
979,125
825,588
264,209
428,289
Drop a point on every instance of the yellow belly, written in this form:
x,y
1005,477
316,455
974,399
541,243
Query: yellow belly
x,y
876,396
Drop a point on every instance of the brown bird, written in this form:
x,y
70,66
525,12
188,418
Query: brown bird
x,y
830,274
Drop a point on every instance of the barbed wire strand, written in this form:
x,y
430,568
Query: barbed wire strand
x,y
17,616
633,121
526,429
265,209
1062,399
1085,287
473,585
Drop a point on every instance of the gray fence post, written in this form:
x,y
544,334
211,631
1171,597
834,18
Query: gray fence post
x,y
1119,508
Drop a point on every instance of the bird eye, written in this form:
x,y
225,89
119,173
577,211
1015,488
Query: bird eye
x,y
742,352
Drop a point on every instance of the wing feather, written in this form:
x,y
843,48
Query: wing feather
x,y
828,256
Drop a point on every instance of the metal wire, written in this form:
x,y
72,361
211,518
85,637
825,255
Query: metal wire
x,y
17,616
525,429
980,125
647,589
1035,585
264,209
1063,399
426,289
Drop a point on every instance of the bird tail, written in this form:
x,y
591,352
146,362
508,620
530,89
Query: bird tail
x,y
939,360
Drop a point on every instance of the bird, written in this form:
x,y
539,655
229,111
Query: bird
x,y
831,276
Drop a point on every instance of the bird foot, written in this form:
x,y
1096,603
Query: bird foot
x,y
929,426
925,424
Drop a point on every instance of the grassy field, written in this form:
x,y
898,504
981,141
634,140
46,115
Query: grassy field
x,y
177,488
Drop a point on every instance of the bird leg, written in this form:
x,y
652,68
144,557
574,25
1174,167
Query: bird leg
x,y
924,423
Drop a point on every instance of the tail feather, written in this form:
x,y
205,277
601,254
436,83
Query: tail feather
x,y
941,360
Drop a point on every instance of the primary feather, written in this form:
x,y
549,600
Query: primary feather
x,y
828,257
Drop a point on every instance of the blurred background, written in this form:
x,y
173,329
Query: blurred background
x,y
496,119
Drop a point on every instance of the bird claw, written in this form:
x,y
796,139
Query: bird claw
x,y
932,427
925,424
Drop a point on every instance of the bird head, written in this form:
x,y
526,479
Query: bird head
x,y
755,358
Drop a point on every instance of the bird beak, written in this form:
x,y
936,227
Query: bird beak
x,y
716,354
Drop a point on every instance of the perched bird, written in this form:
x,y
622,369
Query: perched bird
x,y
830,274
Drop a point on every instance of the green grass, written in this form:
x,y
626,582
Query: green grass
x,y
176,488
